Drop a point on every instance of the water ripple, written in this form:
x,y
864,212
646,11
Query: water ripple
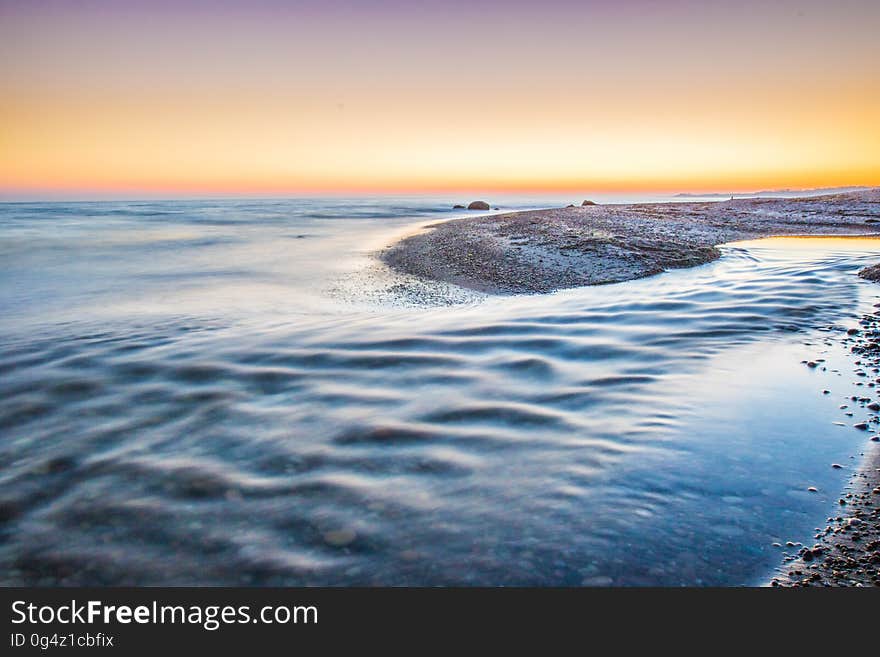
x,y
629,433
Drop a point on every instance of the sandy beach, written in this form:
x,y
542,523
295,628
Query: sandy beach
x,y
546,250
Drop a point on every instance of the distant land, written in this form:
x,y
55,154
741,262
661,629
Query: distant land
x,y
784,193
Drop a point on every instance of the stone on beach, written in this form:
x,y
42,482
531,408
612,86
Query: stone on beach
x,y
478,205
588,202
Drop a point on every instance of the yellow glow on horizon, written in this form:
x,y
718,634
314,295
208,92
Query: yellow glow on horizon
x,y
630,107
432,144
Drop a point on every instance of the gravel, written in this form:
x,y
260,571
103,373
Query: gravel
x,y
547,250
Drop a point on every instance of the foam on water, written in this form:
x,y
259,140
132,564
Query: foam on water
x,y
201,396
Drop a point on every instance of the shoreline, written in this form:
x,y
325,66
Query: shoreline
x,y
847,549
547,250
540,251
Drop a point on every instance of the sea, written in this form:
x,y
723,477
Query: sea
x,y
238,392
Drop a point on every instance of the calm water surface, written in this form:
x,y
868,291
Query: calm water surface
x,y
237,393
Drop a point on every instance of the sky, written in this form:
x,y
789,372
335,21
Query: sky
x,y
266,97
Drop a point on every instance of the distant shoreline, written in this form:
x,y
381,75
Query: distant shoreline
x,y
776,193
547,250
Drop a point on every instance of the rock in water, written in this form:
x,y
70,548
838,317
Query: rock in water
x,y
478,205
340,537
871,273
458,207
588,202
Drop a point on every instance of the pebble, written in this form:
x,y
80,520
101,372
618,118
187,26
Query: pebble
x,y
340,537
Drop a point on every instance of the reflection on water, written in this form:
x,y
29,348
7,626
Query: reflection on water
x,y
184,401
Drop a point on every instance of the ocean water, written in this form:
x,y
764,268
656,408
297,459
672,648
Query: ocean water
x,y
237,392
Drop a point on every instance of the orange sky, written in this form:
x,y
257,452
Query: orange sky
x,y
269,98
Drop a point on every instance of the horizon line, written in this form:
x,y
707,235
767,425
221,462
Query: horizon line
x,y
62,196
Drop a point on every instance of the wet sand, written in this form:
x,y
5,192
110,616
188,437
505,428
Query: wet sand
x,y
547,250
